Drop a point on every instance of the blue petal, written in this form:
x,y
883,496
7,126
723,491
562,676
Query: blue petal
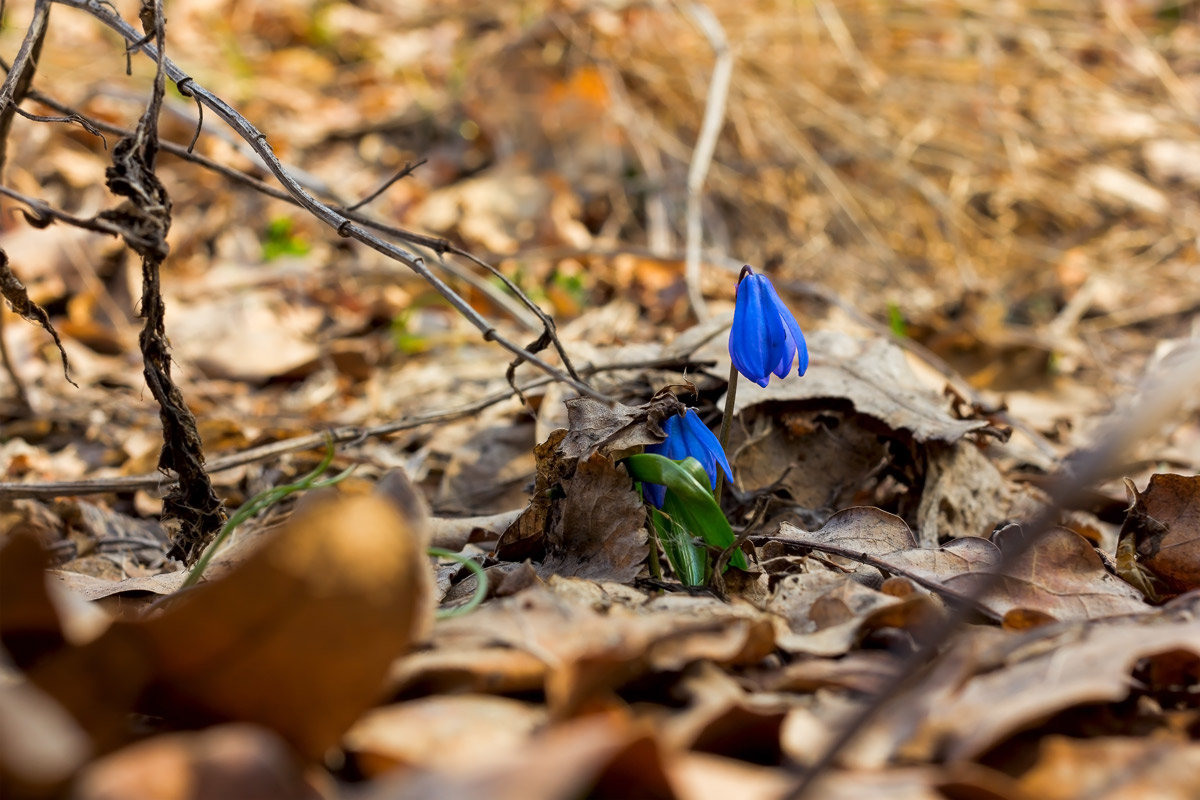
x,y
758,340
654,493
702,440
674,448
796,343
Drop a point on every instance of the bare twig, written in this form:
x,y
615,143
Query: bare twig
x,y
514,308
339,221
16,83
706,143
404,173
339,435
20,393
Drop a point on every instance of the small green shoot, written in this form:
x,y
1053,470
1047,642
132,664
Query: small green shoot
x,y
263,500
896,321
268,497
280,240
481,582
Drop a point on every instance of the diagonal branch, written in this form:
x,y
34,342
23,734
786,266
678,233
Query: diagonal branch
x,y
338,220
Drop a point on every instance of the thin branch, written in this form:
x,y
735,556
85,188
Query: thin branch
x,y
339,221
16,83
338,435
404,173
513,307
706,143
43,215
883,565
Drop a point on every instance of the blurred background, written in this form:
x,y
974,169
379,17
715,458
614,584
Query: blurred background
x,y
1011,185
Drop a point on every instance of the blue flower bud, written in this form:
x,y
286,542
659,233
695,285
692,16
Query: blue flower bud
x,y
687,436
765,337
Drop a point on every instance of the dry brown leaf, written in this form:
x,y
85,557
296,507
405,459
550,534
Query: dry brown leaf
x,y
1061,575
964,494
462,667
874,376
1165,525
591,646
227,761
299,637
1065,667
91,588
593,428
441,732
822,613
821,458
1114,769
600,756
600,534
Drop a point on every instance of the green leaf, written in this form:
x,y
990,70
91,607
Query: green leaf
x,y
689,562
688,501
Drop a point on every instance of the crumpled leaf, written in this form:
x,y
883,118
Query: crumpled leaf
x,y
1061,575
874,376
594,429
593,426
1164,524
600,535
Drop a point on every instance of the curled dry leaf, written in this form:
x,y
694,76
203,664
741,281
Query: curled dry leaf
x,y
875,377
1164,525
299,637
1046,673
600,534
1061,575
596,433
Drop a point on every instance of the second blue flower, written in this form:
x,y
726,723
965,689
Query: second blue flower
x,y
687,435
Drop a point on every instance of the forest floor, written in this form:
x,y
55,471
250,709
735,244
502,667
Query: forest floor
x,y
986,218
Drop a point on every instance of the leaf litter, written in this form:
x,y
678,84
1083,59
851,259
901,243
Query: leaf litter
x,y
310,664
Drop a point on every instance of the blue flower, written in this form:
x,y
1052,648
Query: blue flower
x,y
765,337
687,436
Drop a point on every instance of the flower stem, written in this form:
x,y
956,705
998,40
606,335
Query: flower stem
x,y
726,423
